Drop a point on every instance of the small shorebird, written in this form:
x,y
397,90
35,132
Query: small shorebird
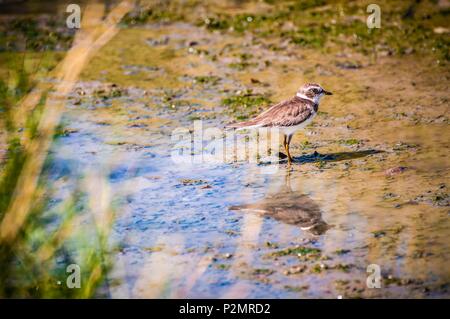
x,y
290,115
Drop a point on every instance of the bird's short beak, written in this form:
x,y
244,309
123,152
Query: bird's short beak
x,y
327,93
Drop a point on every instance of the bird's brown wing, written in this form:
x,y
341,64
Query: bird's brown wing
x,y
289,113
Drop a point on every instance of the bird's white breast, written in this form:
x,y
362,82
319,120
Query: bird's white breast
x,y
292,129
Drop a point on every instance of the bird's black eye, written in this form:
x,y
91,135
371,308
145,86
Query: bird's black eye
x,y
315,91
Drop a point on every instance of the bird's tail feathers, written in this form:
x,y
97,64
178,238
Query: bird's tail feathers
x,y
241,125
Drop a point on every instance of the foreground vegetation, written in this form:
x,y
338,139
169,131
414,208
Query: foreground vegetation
x,y
48,248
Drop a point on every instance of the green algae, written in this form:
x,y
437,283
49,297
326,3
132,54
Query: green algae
x,y
223,266
349,142
262,271
296,288
245,104
295,251
207,79
314,28
342,251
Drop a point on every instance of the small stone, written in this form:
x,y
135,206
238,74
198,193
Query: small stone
x,y
395,170
441,30
409,51
295,270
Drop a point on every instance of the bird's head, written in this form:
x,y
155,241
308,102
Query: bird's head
x,y
313,92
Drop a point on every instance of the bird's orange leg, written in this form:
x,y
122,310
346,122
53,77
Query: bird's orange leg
x,y
286,147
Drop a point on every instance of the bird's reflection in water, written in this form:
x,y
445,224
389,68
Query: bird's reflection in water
x,y
289,207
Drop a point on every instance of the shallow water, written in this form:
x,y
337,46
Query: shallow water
x,y
229,229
